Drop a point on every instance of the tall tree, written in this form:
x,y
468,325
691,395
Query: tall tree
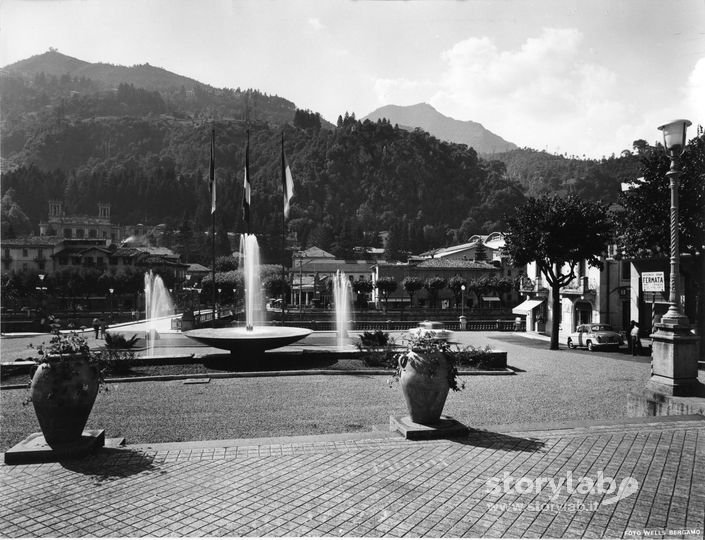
x,y
558,234
644,219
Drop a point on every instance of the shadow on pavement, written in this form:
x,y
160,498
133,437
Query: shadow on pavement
x,y
500,441
112,463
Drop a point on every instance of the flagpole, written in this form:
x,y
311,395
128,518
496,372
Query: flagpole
x,y
283,240
212,178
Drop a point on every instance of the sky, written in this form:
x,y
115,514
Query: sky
x,y
583,78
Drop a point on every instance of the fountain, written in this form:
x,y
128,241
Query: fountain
x,y
157,304
342,296
254,338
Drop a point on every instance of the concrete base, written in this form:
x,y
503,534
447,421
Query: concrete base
x,y
445,428
34,449
650,403
674,361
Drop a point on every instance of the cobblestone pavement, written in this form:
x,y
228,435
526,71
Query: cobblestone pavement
x,y
542,481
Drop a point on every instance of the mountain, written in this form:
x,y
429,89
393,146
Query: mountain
x,y
107,76
443,127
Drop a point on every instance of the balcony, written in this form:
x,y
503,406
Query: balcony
x,y
533,285
580,286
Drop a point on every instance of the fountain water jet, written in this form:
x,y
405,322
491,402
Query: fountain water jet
x,y
342,297
157,303
253,339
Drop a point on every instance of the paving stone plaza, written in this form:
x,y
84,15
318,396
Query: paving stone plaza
x,y
378,484
575,478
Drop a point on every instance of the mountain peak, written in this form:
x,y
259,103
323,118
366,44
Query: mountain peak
x,y
426,117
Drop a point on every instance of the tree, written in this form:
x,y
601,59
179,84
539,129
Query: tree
x,y
456,284
434,285
558,233
14,220
643,223
412,285
386,286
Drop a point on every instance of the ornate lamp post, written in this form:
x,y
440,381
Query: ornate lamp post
x,y
111,290
675,349
462,300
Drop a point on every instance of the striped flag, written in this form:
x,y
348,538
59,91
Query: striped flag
x,y
246,188
211,175
287,183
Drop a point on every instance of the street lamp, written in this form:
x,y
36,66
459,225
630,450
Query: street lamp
x,y
674,358
111,290
674,141
462,300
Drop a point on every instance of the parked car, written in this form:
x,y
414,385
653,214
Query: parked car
x,y
594,336
432,330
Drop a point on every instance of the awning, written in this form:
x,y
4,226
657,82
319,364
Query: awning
x,y
526,306
491,299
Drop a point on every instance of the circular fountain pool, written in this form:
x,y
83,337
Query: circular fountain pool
x,y
258,339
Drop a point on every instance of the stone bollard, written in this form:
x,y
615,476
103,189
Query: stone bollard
x,y
463,322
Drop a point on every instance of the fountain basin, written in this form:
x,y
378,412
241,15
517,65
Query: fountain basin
x,y
242,340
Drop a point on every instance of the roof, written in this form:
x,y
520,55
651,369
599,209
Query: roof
x,y
195,267
456,263
314,253
42,241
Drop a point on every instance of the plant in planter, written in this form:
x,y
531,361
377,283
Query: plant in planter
x,y
118,354
378,348
426,371
64,386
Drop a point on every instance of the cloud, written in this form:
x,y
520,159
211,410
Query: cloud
x,y
546,93
315,23
695,90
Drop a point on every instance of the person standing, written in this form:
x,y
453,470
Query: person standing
x,y
96,326
635,340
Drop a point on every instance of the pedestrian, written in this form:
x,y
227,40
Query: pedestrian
x,y
103,328
634,339
96,326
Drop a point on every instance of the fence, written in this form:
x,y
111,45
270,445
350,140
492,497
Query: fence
x,y
494,325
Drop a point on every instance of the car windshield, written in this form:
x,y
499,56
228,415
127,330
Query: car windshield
x,y
431,325
601,328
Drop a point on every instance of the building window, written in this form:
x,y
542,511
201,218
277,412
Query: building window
x,y
92,233
41,265
76,261
105,235
99,261
626,270
7,253
63,261
24,266
25,253
113,261
68,233
126,260
80,233
88,260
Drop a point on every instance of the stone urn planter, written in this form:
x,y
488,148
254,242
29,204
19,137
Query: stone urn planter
x,y
426,371
424,384
64,388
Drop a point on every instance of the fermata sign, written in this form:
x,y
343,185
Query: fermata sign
x,y
653,282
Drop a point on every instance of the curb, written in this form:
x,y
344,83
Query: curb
x,y
255,374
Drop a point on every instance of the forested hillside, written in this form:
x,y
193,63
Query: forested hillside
x,y
146,151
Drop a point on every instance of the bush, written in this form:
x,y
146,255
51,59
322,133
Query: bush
x,y
374,339
378,349
117,355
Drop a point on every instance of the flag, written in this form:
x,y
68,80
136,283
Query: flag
x,y
246,187
287,183
211,175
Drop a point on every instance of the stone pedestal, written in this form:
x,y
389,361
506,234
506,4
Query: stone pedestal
x,y
34,449
446,427
674,361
